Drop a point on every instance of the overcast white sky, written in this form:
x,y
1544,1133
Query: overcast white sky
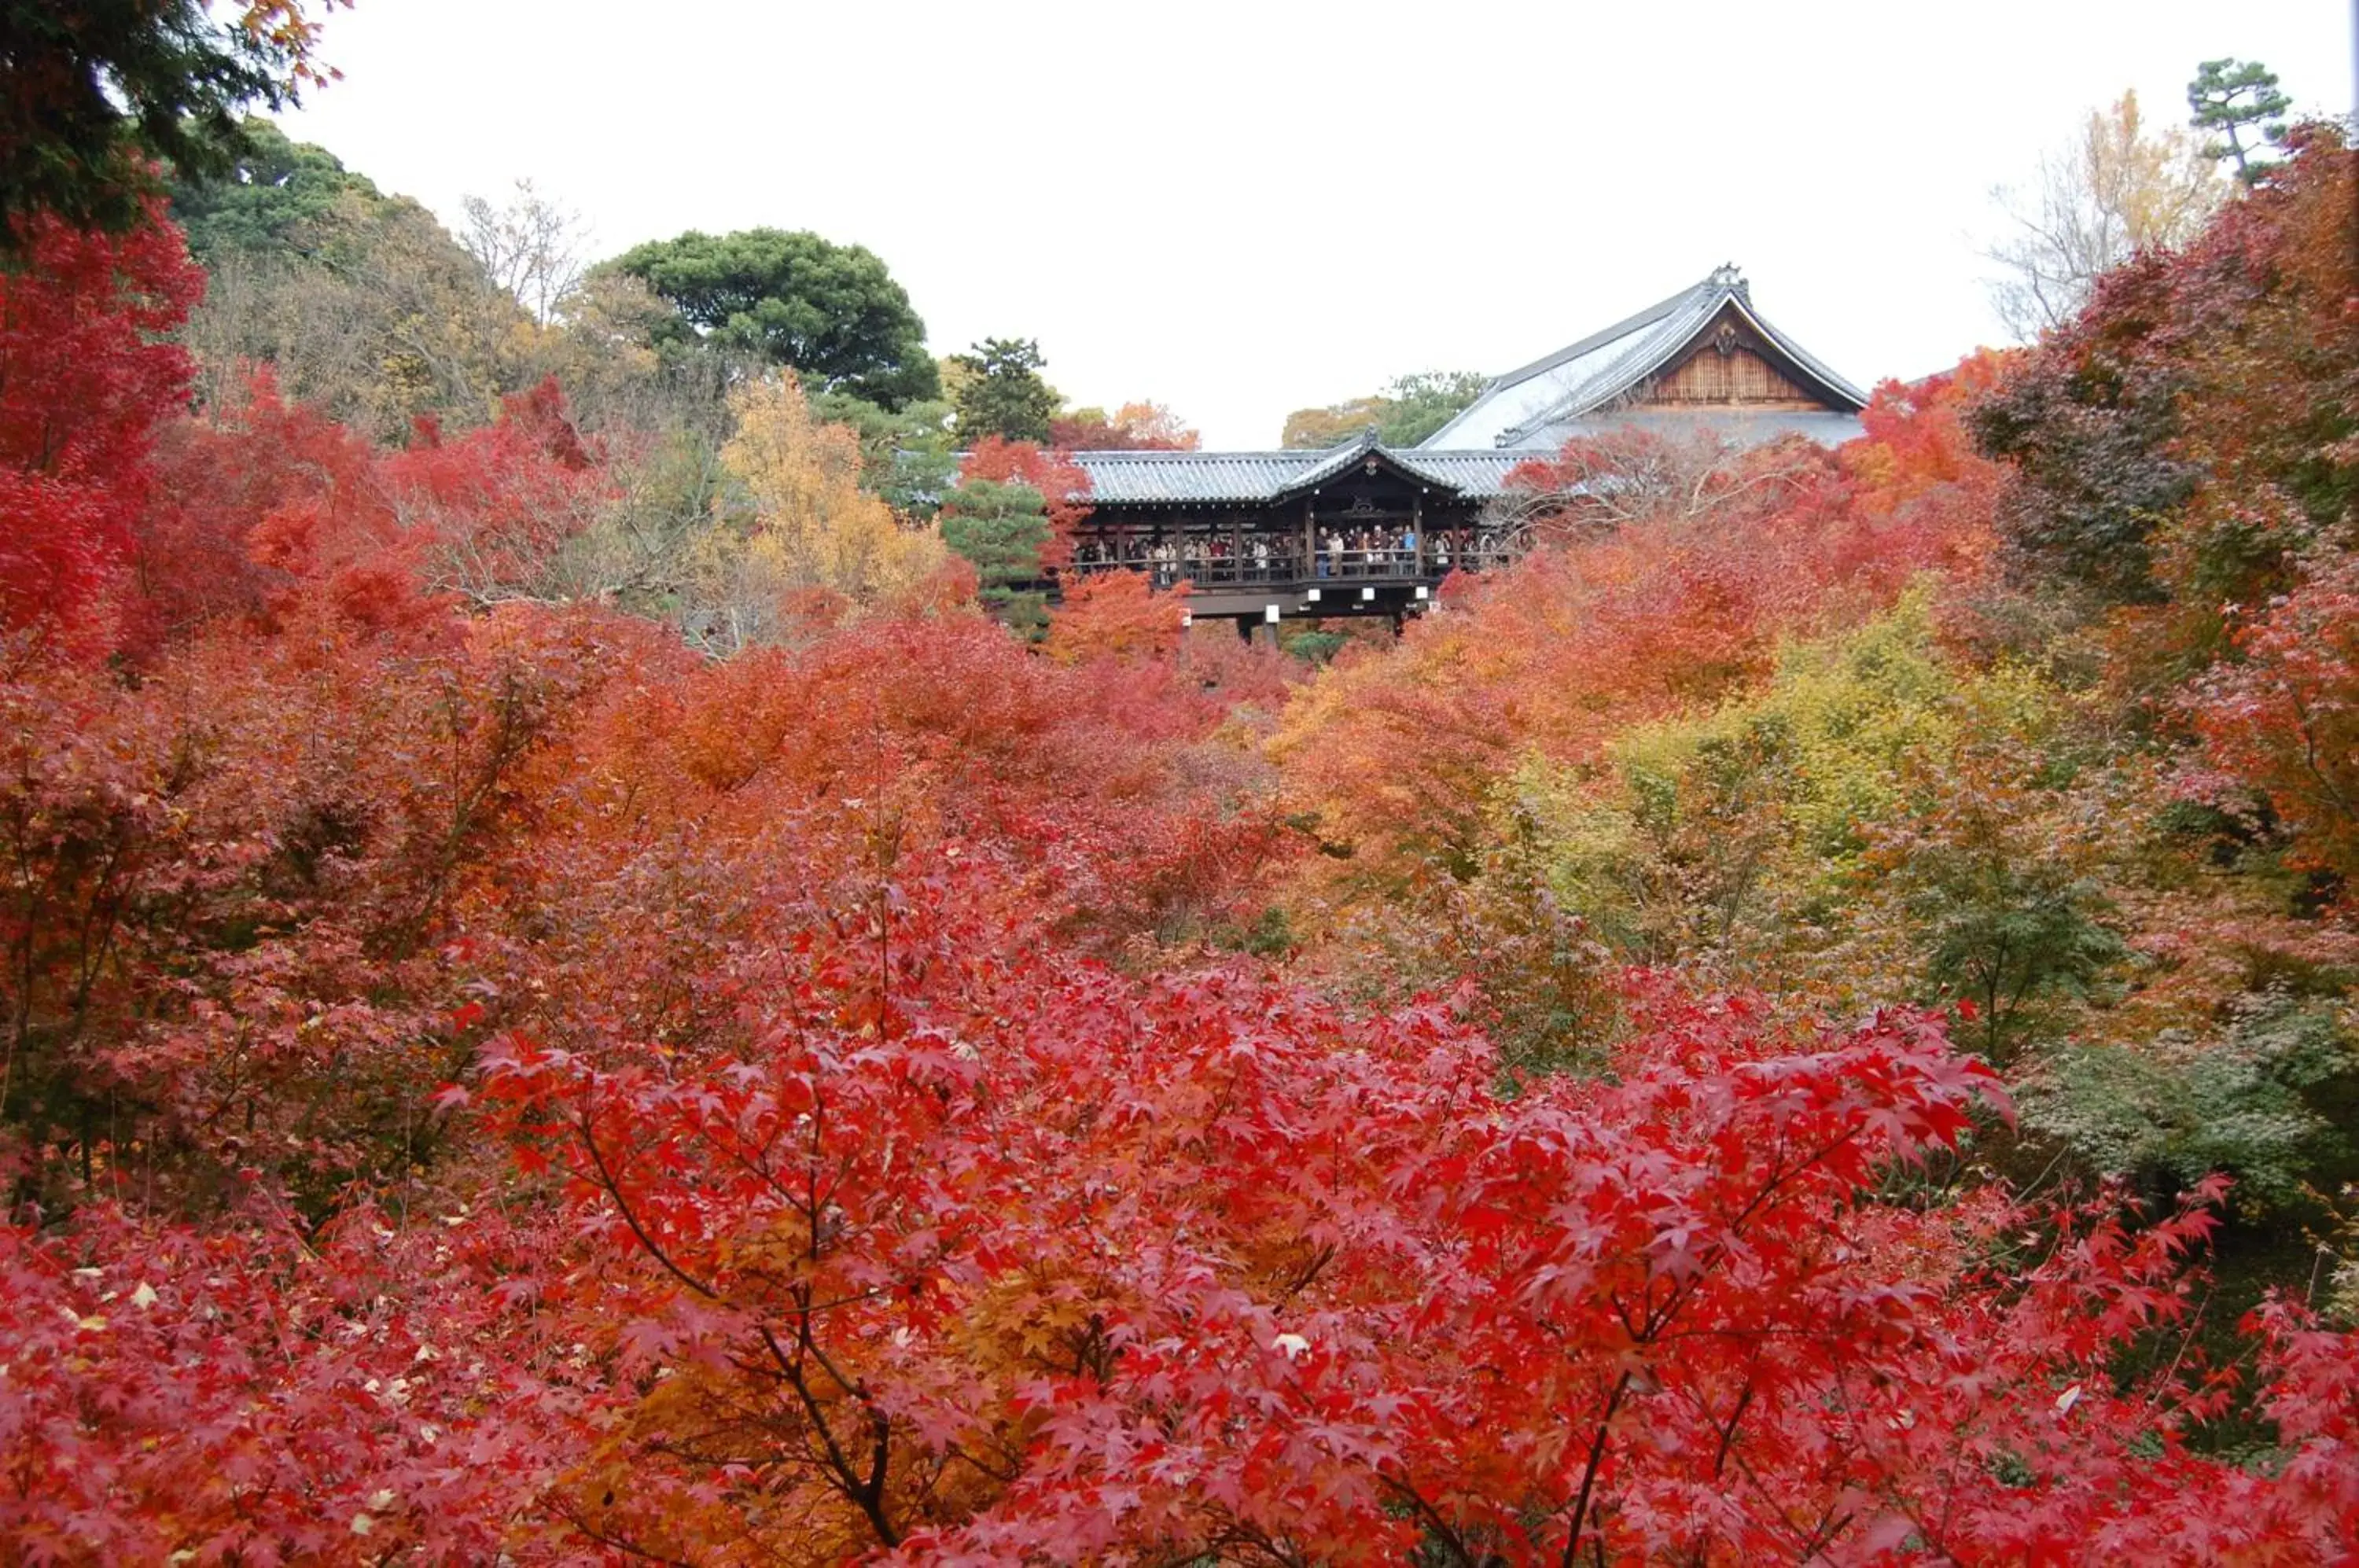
x,y
1243,209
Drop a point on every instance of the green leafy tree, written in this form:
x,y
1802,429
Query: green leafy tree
x,y
275,196
1002,529
908,456
94,93
2000,882
830,312
2232,99
1423,403
1736,838
2261,1101
1407,410
1001,392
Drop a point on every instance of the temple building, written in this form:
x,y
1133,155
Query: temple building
x,y
1365,529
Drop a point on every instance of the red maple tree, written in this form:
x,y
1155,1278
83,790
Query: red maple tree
x,y
86,375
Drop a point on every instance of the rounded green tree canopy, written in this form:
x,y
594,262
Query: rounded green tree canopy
x,y
277,194
832,313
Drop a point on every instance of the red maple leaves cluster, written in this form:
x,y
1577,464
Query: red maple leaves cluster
x,y
87,380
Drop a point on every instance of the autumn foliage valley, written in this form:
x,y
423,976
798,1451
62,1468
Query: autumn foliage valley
x,y
590,977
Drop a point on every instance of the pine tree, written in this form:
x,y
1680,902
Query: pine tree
x,y
1002,529
2228,95
1002,393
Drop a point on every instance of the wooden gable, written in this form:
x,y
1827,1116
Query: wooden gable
x,y
1370,492
1368,477
1731,364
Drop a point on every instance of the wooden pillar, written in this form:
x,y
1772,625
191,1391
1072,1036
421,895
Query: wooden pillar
x,y
1417,526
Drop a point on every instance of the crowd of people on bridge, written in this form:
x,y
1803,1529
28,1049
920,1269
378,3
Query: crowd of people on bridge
x,y
1385,552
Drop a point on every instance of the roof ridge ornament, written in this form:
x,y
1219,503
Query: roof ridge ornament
x,y
1728,276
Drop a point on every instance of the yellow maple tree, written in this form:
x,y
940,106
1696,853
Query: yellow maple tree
x,y
814,544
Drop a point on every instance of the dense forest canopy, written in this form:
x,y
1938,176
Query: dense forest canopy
x,y
602,962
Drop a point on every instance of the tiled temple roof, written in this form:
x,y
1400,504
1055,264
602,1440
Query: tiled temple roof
x,y
1570,392
1198,477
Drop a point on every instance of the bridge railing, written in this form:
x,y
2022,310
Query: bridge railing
x,y
1288,570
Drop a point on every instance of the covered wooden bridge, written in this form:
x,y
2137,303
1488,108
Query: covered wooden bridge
x,y
1363,528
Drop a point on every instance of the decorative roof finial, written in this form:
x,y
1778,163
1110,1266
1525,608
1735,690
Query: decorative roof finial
x,y
1728,275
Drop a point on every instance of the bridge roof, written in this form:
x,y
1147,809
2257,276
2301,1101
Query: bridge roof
x,y
1118,478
